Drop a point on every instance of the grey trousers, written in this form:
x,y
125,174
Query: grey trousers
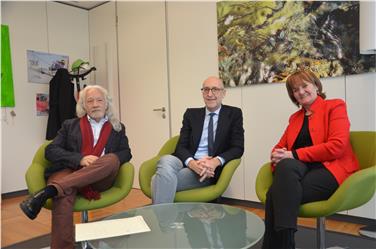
x,y
171,176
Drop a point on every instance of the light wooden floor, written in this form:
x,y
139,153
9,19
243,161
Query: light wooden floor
x,y
16,227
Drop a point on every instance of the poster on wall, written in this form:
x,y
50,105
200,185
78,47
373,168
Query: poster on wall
x,y
41,66
265,41
42,104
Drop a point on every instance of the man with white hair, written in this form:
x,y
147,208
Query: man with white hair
x,y
85,155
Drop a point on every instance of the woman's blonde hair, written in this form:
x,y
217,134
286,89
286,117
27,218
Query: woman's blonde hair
x,y
297,78
81,109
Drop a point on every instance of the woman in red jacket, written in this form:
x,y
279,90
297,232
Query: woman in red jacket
x,y
313,157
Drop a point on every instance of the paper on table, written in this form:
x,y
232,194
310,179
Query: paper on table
x,y
110,228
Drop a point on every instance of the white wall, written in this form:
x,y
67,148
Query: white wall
x,y
103,49
361,103
143,77
192,56
40,26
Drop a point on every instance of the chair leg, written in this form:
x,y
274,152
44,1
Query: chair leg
x,y
84,216
320,232
84,219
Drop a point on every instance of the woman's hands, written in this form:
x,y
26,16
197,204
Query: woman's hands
x,y
279,154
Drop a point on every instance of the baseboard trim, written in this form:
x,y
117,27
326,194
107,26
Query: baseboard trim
x,y
368,231
14,194
339,217
252,204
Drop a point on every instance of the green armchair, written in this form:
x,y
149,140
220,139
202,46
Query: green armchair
x,y
205,194
123,184
355,191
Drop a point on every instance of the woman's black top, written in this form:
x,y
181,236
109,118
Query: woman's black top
x,y
304,140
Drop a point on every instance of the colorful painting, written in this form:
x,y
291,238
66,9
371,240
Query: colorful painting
x,y
265,41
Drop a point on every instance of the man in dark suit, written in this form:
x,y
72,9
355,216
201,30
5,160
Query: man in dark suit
x,y
86,155
209,138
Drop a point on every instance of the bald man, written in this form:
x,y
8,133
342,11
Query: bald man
x,y
210,137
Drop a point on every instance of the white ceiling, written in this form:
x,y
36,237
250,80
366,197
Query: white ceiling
x,y
87,5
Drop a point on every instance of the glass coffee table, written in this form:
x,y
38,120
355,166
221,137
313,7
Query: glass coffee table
x,y
189,225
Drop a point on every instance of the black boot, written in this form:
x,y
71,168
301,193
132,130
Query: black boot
x,y
270,240
286,238
33,204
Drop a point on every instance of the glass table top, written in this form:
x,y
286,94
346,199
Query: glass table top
x,y
189,225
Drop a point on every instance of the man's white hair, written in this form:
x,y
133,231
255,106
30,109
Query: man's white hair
x,y
81,108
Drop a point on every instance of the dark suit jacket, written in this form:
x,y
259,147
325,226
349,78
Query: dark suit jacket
x,y
65,149
229,138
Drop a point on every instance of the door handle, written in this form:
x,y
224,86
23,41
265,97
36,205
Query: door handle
x,y
162,109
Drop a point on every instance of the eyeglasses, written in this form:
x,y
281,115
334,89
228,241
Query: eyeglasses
x,y
214,90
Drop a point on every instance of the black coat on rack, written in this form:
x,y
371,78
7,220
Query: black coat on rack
x,y
62,104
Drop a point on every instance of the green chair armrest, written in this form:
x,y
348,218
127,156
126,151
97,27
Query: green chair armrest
x,y
122,187
146,172
35,178
226,176
34,175
39,155
264,180
363,144
169,147
205,194
356,190
124,179
148,168
211,192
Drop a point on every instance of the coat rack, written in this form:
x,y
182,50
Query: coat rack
x,y
81,76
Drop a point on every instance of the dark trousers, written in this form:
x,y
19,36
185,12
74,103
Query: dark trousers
x,y
294,183
100,175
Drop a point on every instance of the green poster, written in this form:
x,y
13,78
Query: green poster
x,y
7,92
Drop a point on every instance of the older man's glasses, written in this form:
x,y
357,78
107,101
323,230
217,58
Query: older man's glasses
x,y
214,90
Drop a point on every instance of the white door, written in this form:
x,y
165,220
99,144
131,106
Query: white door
x,y
143,81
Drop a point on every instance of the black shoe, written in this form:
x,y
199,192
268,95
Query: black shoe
x,y
33,204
